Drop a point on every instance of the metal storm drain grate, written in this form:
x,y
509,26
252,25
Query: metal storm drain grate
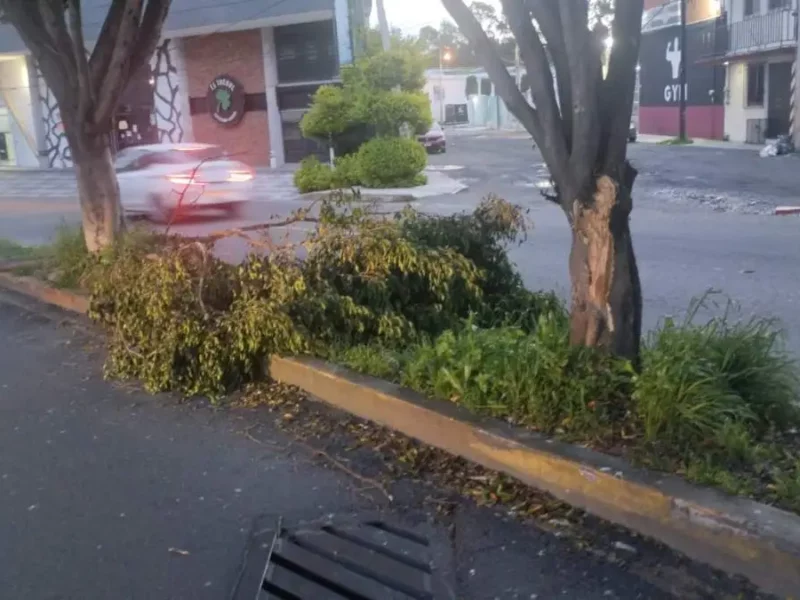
x,y
361,560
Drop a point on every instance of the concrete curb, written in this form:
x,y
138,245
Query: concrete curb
x,y
736,535
439,184
733,534
30,286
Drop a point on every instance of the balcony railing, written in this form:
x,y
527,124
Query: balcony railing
x,y
774,30
760,33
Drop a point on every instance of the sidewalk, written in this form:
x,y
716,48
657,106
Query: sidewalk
x,y
646,138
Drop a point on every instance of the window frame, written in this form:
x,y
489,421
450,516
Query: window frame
x,y
755,8
761,93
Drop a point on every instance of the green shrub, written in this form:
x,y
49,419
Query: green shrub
x,y
313,176
369,282
702,383
391,162
183,320
388,111
537,380
347,172
481,236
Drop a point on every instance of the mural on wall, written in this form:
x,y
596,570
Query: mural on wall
x,y
170,114
56,146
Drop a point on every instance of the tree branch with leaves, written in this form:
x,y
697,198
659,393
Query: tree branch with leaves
x,y
88,85
580,119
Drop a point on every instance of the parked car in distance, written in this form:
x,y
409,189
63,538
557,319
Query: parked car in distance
x,y
434,140
156,180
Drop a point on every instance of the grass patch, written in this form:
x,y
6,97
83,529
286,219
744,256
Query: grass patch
x,y
715,402
68,257
13,251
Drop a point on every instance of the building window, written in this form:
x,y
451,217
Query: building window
x,y
751,7
755,84
306,52
779,4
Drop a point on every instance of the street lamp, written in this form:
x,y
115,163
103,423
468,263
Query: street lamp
x,y
444,56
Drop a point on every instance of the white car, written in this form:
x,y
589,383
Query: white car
x,y
159,179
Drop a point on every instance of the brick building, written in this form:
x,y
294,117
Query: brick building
x,y
273,54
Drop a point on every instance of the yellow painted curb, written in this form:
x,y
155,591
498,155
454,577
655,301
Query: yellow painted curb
x,y
31,286
736,535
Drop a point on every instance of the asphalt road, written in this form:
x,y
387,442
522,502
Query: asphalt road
x,y
702,220
106,492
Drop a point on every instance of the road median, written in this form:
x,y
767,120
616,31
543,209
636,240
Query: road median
x,y
736,535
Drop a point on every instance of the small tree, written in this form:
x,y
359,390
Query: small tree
x,y
87,87
580,121
378,95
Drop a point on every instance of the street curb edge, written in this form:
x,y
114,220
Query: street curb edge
x,y
733,534
33,287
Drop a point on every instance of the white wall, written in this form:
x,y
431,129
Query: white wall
x,y
453,85
737,112
16,95
171,93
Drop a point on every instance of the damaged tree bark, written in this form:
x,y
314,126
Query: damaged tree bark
x,y
580,119
606,303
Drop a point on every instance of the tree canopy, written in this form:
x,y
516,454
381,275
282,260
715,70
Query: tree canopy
x,y
378,95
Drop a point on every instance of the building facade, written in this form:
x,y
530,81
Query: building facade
x,y
659,71
756,41
269,57
742,65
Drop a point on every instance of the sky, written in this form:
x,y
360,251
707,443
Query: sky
x,y
412,15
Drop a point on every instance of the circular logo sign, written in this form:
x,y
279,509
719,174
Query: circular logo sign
x,y
226,100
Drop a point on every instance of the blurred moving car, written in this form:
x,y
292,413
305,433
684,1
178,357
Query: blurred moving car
x,y
434,140
157,180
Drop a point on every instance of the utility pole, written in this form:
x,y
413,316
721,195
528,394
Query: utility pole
x,y
682,77
384,26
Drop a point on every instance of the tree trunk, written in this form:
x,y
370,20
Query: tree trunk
x,y
606,306
98,190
